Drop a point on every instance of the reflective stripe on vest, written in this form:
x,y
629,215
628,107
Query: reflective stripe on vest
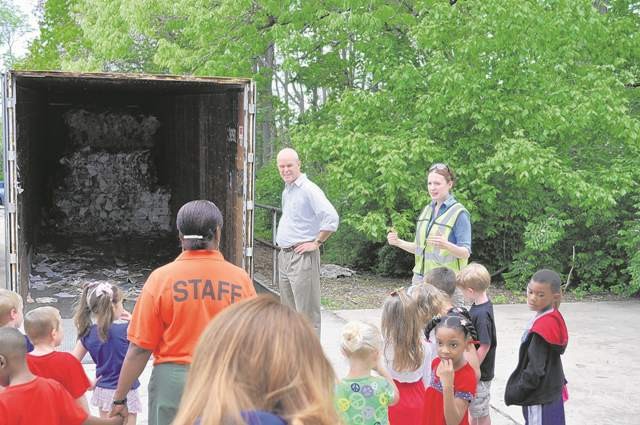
x,y
429,257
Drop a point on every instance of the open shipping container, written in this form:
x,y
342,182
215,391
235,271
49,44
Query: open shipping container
x,y
203,149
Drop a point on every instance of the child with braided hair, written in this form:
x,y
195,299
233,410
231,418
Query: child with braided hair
x,y
434,302
453,380
102,326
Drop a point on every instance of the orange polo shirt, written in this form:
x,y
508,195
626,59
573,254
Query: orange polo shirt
x,y
179,300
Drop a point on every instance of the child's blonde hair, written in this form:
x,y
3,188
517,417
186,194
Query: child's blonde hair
x,y
402,331
40,322
474,276
360,339
430,301
259,355
97,300
9,301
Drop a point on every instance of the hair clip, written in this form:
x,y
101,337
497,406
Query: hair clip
x,y
99,290
192,237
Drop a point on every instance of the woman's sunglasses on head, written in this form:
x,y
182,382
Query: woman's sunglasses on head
x,y
439,166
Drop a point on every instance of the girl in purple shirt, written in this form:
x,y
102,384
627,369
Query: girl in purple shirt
x,y
102,325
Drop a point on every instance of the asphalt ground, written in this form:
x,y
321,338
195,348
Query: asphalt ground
x,y
600,362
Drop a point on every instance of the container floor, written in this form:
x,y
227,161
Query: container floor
x,y
62,266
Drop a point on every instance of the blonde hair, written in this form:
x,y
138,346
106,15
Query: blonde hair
x,y
98,301
9,301
474,276
430,301
39,322
259,355
402,332
360,339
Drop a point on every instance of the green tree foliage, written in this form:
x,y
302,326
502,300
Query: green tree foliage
x,y
13,24
529,101
60,40
534,103
89,35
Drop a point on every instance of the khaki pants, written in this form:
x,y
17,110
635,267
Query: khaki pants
x,y
300,283
165,390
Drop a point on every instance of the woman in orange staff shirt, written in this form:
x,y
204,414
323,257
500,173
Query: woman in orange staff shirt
x,y
177,302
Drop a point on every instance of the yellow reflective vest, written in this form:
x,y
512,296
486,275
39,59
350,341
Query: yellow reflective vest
x,y
428,256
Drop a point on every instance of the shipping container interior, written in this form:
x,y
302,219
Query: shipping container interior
x,y
195,151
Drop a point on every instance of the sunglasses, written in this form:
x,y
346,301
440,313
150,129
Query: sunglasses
x,y
439,166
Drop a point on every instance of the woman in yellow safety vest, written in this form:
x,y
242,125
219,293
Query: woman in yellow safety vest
x,y
443,230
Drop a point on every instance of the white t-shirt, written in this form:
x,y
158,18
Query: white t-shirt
x,y
423,372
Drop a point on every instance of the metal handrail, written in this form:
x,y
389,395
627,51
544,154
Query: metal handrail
x,y
274,247
270,208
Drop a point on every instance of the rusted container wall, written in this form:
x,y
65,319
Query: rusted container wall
x,y
32,110
200,162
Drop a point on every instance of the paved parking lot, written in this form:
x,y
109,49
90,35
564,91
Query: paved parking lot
x,y
600,361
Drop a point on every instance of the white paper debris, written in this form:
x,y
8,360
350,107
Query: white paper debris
x,y
46,300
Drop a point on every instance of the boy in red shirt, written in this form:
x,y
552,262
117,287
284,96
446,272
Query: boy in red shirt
x,y
44,328
33,400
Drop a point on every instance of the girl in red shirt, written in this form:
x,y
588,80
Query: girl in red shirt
x,y
453,380
407,356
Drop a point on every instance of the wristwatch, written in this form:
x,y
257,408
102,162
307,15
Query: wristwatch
x,y
120,402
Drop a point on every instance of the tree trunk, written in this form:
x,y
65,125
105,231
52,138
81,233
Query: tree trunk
x,y
287,100
267,109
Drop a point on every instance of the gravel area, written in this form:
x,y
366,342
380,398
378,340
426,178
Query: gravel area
x,y
367,290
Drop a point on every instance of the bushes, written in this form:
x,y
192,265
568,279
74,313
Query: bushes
x,y
540,126
629,242
394,262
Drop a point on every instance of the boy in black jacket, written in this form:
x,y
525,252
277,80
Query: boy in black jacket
x,y
537,383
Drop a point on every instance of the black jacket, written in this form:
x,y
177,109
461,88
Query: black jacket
x,y
538,378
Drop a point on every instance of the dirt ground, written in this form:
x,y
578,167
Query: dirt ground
x,y
366,290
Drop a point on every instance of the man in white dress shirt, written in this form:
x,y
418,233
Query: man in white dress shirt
x,y
308,219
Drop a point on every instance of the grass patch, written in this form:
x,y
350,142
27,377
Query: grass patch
x,y
500,299
329,303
